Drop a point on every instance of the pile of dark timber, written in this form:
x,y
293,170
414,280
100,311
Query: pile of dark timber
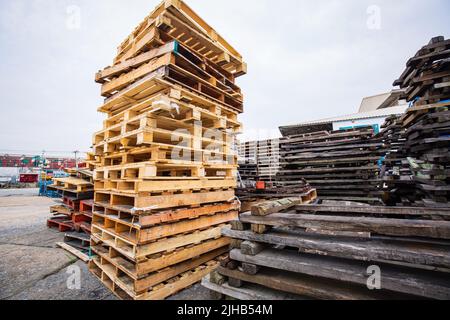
x,y
259,161
427,74
427,122
330,251
249,174
396,173
428,147
341,165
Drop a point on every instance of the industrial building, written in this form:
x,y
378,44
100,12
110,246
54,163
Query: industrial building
x,y
373,111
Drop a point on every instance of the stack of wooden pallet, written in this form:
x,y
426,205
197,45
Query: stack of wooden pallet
x,y
396,173
427,74
428,148
73,215
340,164
268,160
248,152
248,174
427,123
336,251
165,163
265,154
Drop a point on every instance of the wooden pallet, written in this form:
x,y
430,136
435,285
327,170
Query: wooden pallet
x,y
184,62
427,284
163,171
156,217
72,184
427,74
194,33
337,163
124,289
134,252
144,266
152,86
282,248
409,251
63,224
158,201
135,234
169,106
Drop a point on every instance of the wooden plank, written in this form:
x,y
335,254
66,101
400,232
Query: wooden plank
x,y
391,227
250,292
152,186
135,62
408,211
80,255
306,286
271,207
116,84
420,283
414,253
162,231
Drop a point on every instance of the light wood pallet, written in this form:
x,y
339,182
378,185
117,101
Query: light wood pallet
x,y
124,289
72,184
171,104
142,93
109,227
164,200
151,170
181,22
164,162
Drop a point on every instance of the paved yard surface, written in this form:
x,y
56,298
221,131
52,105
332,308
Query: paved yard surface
x,y
32,268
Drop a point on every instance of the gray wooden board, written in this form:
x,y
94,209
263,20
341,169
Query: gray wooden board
x,y
303,285
382,226
343,209
425,254
433,285
248,292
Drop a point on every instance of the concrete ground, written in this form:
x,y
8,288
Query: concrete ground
x,y
33,268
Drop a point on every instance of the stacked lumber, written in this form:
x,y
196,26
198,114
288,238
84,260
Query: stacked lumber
x,y
330,251
73,215
165,168
427,74
396,173
248,174
265,154
428,148
427,122
339,164
268,159
248,152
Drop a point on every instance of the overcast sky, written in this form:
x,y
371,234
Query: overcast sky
x,y
306,59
